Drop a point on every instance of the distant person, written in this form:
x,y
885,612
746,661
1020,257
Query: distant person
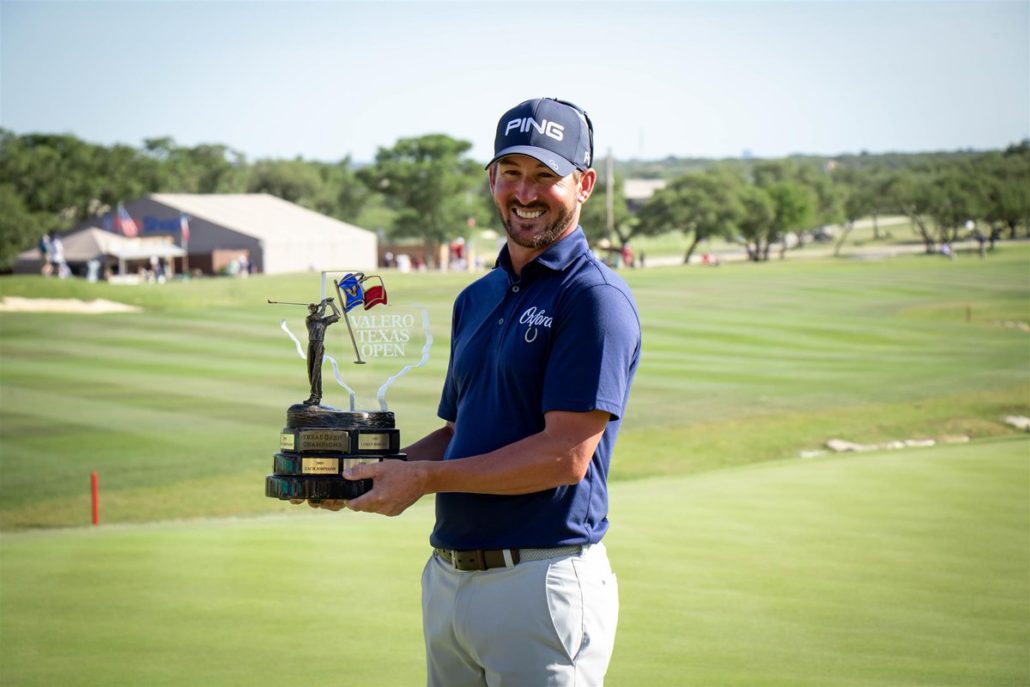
x,y
45,253
157,269
57,256
627,255
995,235
981,242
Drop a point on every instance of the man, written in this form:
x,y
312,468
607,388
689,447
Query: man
x,y
518,590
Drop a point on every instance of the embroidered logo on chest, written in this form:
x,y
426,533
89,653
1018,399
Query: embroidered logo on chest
x,y
534,318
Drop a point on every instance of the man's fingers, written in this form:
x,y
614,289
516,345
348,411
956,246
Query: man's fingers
x,y
362,471
334,504
362,503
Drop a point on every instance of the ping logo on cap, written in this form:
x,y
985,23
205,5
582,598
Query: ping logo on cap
x,y
522,125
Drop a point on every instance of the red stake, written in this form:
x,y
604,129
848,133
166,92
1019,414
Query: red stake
x,y
94,484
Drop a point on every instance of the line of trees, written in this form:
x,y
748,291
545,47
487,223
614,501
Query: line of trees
x,y
785,202
429,188
423,187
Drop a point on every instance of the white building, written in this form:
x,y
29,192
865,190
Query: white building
x,y
275,235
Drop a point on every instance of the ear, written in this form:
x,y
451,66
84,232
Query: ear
x,y
586,185
491,173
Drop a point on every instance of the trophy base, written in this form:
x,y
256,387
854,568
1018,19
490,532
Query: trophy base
x,y
320,442
285,487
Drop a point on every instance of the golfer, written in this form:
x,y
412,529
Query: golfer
x,y
518,589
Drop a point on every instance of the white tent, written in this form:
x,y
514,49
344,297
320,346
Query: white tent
x,y
282,236
93,243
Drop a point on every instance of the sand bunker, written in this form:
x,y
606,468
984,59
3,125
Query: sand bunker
x,y
64,305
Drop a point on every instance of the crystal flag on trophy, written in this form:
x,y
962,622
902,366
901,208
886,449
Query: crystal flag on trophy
x,y
380,343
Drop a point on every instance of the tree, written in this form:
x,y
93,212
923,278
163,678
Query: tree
x,y
829,197
594,216
431,184
19,228
803,198
342,185
955,195
293,180
205,168
1007,185
908,192
794,206
703,205
862,190
755,227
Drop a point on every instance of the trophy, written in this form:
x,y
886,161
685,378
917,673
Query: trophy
x,y
320,441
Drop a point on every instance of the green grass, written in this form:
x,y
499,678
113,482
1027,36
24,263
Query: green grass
x,y
896,568
178,407
739,562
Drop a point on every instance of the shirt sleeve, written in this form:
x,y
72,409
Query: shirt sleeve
x,y
448,408
594,353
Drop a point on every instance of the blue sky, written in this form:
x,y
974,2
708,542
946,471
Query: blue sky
x,y
708,79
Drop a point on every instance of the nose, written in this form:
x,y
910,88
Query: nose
x,y
526,191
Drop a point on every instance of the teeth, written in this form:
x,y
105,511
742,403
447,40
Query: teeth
x,y
528,214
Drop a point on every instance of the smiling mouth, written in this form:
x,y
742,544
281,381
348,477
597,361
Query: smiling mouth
x,y
526,213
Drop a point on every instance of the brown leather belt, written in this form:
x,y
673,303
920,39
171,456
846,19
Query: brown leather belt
x,y
485,559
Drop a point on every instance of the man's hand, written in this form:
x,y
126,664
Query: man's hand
x,y
396,485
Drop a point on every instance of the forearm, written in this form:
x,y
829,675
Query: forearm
x,y
558,455
432,446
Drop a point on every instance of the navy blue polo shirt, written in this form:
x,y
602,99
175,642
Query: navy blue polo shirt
x,y
565,336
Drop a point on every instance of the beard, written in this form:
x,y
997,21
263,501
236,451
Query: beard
x,y
543,238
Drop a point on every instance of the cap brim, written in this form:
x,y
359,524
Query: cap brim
x,y
560,165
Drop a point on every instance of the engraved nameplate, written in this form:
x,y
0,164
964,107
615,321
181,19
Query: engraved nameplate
x,y
351,462
325,440
374,442
287,441
320,466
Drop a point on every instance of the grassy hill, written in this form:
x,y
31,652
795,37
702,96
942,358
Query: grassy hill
x,y
739,562
178,407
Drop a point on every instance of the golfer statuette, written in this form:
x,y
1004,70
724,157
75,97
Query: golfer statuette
x,y
317,322
320,441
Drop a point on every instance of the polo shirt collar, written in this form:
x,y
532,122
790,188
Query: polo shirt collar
x,y
557,257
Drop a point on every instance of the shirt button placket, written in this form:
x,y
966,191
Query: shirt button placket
x,y
514,289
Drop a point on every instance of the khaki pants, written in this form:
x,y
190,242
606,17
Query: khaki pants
x,y
547,622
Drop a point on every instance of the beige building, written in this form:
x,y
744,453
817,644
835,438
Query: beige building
x,y
275,235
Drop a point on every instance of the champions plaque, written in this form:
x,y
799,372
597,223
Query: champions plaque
x,y
371,345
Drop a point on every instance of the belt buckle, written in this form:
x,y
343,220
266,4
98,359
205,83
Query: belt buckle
x,y
469,560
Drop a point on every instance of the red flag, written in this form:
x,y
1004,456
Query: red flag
x,y
374,295
124,223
